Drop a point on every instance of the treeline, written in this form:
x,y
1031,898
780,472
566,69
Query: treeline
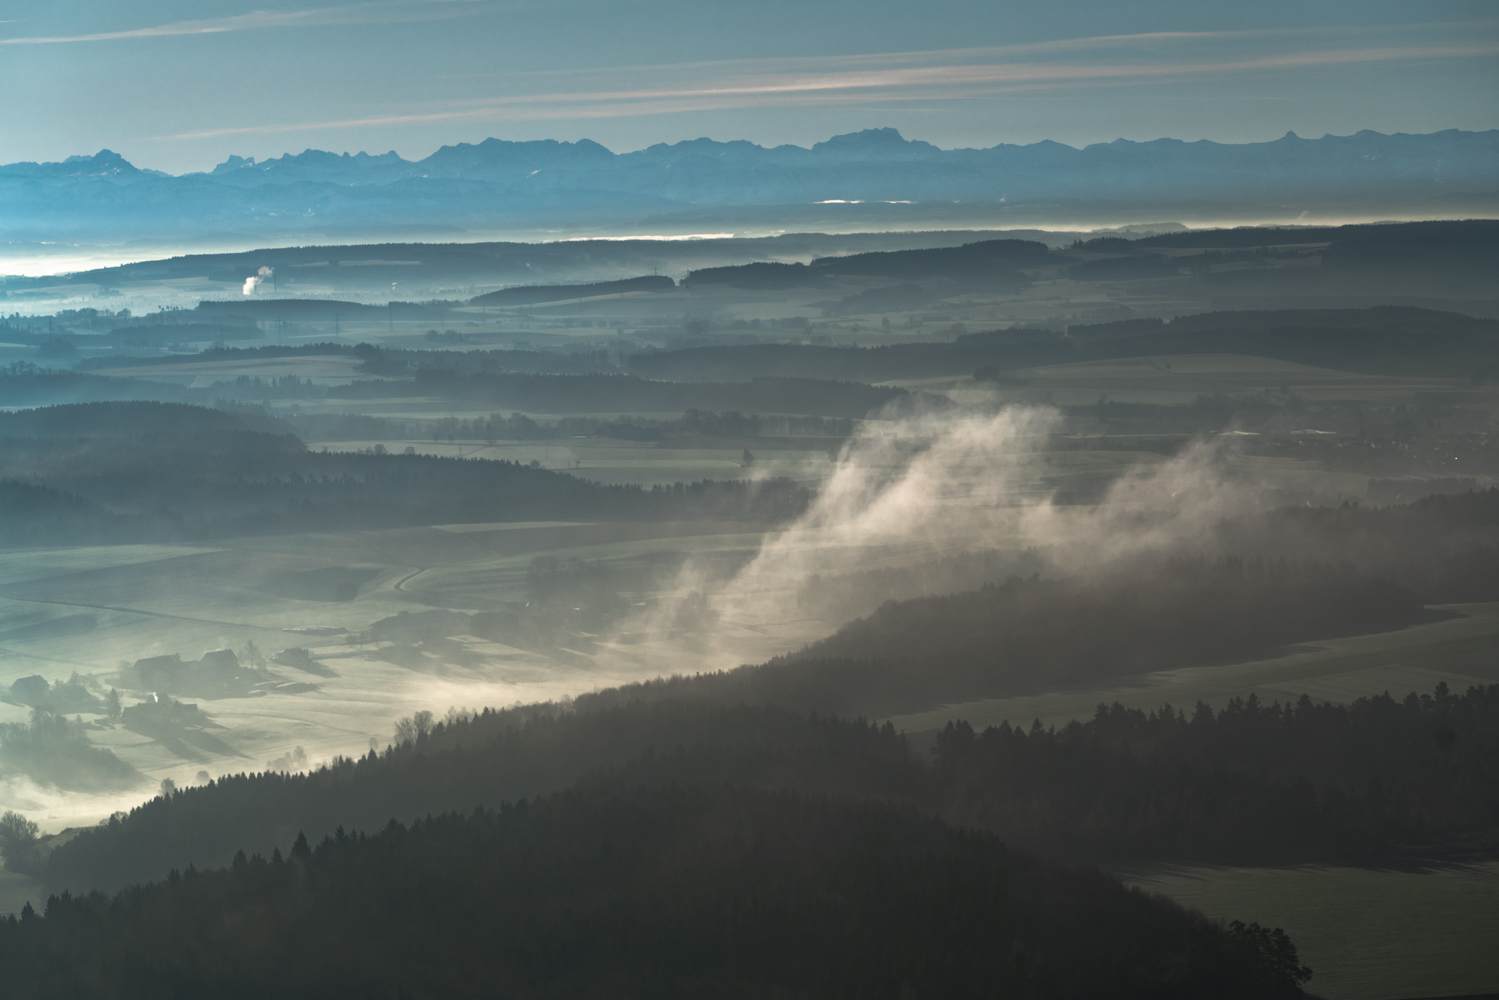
x,y
862,364
646,892
1418,257
1424,259
25,384
528,294
1205,414
41,516
1252,783
490,758
729,424
520,427
990,264
1443,549
155,471
399,363
632,394
1382,340
220,352
317,310
391,361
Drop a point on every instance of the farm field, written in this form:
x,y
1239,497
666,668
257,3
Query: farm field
x,y
1460,650
1367,933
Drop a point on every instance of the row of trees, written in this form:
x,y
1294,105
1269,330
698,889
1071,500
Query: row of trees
x,y
1250,783
149,471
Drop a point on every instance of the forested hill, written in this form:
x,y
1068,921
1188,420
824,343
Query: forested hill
x,y
1382,340
755,894
144,471
1252,783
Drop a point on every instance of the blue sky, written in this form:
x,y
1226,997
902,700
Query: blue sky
x,y
180,85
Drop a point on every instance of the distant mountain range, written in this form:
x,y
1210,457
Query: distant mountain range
x,y
874,174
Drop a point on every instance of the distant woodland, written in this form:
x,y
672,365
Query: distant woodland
x,y
1383,340
111,472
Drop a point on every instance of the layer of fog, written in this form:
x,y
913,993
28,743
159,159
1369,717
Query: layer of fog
x,y
926,486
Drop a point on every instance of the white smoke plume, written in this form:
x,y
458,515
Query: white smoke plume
x,y
258,278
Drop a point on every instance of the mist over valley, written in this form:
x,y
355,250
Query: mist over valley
x,y
754,567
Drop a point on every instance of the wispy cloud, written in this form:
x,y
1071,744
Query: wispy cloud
x,y
393,12
891,77
1146,45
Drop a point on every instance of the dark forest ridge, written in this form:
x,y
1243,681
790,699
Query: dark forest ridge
x,y
581,895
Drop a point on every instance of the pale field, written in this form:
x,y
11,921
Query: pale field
x,y
1366,933
1460,650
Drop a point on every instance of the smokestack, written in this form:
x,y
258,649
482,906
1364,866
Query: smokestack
x,y
258,278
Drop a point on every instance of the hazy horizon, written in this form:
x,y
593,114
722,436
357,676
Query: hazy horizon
x,y
174,85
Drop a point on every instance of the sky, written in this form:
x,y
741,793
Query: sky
x,y
179,85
